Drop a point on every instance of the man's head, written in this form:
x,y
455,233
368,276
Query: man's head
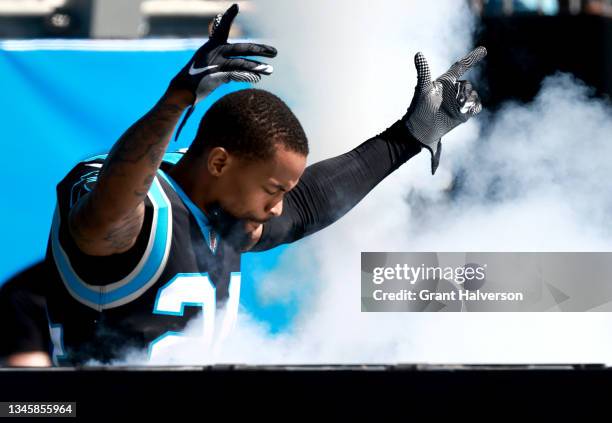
x,y
252,150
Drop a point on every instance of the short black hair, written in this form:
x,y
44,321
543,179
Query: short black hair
x,y
250,123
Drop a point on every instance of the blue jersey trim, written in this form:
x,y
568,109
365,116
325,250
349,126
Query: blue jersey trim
x,y
172,157
197,212
147,271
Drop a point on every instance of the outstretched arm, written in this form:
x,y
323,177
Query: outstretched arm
x,y
329,189
108,219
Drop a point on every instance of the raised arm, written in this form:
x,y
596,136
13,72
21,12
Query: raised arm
x,y
329,189
108,219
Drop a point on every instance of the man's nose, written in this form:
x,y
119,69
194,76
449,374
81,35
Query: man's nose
x,y
277,209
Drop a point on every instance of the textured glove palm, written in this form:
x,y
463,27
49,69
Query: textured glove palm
x,y
439,106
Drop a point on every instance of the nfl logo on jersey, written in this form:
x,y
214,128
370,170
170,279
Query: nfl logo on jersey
x,y
212,243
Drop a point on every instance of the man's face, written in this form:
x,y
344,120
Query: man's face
x,y
253,191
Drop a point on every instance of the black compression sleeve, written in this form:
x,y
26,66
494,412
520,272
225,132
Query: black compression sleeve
x,y
330,188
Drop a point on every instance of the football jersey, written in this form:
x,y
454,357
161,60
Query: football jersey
x,y
100,308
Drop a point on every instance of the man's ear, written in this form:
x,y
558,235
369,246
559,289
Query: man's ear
x,y
218,161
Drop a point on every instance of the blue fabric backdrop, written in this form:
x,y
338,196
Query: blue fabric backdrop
x,y
63,101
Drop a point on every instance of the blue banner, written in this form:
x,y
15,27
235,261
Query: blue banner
x,y
63,101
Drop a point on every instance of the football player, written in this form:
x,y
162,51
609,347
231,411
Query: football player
x,y
142,241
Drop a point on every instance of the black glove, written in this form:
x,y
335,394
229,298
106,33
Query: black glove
x,y
215,63
439,106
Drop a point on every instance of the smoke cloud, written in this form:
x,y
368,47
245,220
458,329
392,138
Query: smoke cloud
x,y
529,178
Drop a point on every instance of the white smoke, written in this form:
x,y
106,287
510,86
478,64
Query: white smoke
x,y
537,180
346,67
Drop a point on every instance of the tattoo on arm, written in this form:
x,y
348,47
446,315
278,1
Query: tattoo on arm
x,y
146,183
109,218
130,168
146,139
122,237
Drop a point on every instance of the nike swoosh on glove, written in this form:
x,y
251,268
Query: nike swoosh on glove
x,y
439,106
217,62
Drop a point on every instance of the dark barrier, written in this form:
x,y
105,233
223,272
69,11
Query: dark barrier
x,y
317,391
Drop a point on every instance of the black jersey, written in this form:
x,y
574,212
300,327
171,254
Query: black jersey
x,y
180,266
99,307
